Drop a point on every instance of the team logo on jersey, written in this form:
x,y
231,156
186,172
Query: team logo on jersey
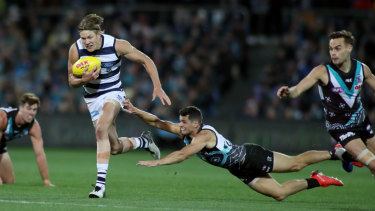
x,y
337,90
358,79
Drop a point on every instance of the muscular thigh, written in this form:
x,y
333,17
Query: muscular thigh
x,y
355,147
282,162
109,113
6,169
266,185
371,144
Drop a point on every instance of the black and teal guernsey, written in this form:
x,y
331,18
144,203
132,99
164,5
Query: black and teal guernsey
x,y
12,131
341,97
109,77
224,154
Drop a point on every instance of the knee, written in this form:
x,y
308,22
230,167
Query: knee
x,y
101,131
278,196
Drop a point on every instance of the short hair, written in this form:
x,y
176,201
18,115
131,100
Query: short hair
x,y
91,22
30,99
194,113
347,35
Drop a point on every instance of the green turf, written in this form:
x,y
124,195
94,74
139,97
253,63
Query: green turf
x,y
191,185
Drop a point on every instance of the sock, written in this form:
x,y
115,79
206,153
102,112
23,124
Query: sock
x,y
141,143
312,183
102,173
332,153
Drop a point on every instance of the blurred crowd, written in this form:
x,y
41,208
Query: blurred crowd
x,y
200,52
195,52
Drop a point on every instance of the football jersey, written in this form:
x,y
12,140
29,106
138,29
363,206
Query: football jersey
x,y
109,77
224,154
341,97
12,131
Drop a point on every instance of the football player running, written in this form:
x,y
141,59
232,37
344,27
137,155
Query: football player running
x,y
103,92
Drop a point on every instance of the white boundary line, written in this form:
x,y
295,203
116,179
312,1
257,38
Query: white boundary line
x,y
92,205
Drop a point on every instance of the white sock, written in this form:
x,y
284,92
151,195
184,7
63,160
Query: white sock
x,y
141,143
102,173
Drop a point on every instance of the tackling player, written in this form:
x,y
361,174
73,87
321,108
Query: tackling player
x,y
251,163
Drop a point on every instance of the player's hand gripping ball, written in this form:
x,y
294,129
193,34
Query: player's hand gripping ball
x,y
82,63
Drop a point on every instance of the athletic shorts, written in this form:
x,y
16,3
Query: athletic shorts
x,y
3,147
258,162
95,105
363,132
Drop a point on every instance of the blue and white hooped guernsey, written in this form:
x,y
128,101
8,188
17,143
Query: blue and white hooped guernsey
x,y
224,154
341,97
109,77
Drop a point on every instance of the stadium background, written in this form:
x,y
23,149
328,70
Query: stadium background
x,y
226,57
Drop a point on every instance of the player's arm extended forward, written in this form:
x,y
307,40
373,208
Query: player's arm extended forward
x,y
318,74
151,119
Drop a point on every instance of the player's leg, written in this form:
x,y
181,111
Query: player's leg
x,y
361,153
6,169
285,163
109,112
121,145
270,187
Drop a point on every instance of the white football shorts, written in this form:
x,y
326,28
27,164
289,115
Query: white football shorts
x,y
95,105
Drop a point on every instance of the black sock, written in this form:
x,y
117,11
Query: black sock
x,y
312,183
347,157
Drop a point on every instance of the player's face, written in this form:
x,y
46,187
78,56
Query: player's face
x,y
28,112
187,127
91,40
339,51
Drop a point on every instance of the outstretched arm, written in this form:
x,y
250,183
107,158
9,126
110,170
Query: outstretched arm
x,y
196,145
151,119
37,141
318,74
126,49
369,77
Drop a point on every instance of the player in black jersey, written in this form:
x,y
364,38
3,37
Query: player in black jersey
x,y
339,84
17,122
249,162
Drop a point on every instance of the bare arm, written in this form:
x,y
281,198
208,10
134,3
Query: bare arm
x,y
318,74
151,119
369,77
37,141
197,144
125,49
86,77
3,122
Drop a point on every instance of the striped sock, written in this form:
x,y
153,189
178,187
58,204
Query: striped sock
x,y
102,173
141,142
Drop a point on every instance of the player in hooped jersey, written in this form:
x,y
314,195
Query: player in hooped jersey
x,y
340,83
249,162
17,122
103,92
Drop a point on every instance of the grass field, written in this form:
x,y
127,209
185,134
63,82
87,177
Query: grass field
x,y
191,185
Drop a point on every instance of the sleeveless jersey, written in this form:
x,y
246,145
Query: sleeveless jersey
x,y
109,77
341,97
224,154
12,131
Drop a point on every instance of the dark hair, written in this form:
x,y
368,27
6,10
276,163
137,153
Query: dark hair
x,y
347,35
91,22
194,113
30,99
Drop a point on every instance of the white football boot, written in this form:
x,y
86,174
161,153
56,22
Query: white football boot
x,y
98,192
152,148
